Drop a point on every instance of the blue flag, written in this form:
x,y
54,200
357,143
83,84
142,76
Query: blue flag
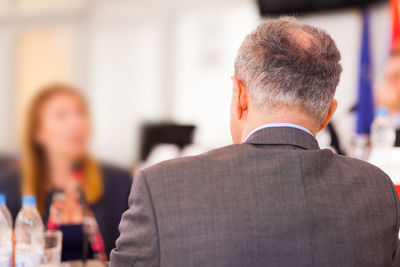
x,y
365,105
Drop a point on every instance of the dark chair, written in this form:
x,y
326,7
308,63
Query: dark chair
x,y
164,133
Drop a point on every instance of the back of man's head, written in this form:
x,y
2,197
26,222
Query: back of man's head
x,y
285,64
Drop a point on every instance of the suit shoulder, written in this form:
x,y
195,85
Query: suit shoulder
x,y
178,164
361,167
358,163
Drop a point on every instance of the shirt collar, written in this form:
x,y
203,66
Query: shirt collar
x,y
273,125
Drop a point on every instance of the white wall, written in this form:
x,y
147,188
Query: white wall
x,y
154,63
7,94
125,86
207,43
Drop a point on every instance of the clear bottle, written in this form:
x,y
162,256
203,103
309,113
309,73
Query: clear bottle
x,y
28,234
5,241
382,133
5,211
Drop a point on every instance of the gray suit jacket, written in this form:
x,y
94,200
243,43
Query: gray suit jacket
x,y
276,200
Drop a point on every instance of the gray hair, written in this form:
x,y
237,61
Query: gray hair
x,y
285,63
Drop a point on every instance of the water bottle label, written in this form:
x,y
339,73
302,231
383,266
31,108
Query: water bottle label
x,y
25,261
5,260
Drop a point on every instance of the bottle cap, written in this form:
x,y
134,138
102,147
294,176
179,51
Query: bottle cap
x,y
28,201
3,199
381,112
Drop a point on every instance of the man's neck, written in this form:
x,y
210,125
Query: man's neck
x,y
302,121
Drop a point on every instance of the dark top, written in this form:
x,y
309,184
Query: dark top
x,y
108,210
276,200
397,142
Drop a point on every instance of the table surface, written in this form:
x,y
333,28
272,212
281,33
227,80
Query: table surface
x,y
90,263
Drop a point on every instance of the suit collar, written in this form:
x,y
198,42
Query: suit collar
x,y
283,136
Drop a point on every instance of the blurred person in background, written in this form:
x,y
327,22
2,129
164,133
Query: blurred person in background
x,y
55,152
389,95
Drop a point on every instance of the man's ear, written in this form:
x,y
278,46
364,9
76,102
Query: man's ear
x,y
329,115
240,97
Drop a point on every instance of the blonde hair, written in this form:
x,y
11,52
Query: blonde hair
x,y
34,175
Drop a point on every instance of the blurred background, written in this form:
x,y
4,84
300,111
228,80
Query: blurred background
x,y
145,62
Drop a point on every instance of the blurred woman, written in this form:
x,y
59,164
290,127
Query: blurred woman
x,y
56,159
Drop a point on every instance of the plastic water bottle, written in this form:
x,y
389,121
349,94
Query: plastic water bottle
x,y
28,234
5,242
5,211
382,133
